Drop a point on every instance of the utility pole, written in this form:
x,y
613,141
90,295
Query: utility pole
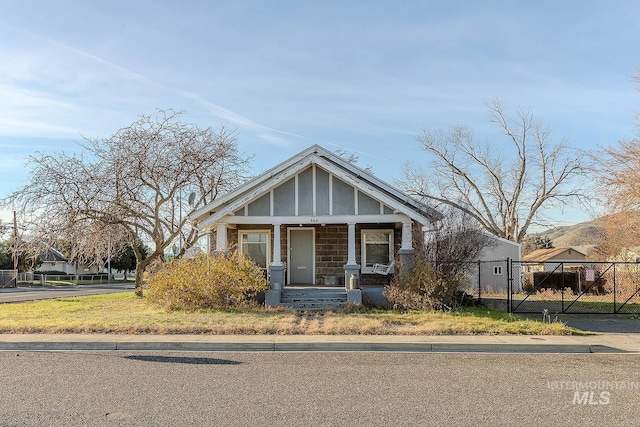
x,y
15,249
109,259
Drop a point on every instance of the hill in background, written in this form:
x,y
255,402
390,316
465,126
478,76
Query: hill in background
x,y
583,236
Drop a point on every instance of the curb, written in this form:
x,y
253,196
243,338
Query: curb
x,y
307,347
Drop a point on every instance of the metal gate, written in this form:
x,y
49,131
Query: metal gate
x,y
8,279
574,287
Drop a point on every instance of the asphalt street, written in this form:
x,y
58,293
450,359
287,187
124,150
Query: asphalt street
x,y
22,294
302,389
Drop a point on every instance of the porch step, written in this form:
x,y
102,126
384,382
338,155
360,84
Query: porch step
x,y
304,298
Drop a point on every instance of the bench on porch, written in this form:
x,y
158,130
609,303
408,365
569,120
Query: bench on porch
x,y
383,269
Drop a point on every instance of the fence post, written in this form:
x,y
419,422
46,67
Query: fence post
x,y
614,288
562,288
509,282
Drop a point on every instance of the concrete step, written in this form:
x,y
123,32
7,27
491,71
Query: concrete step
x,y
313,306
313,298
342,295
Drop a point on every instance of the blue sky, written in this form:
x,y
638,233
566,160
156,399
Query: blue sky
x,y
365,76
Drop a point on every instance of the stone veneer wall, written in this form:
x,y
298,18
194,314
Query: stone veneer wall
x,y
331,252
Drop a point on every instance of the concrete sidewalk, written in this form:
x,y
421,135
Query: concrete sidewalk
x,y
602,343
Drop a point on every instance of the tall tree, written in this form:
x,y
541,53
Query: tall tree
x,y
618,168
27,259
136,183
619,177
6,255
454,242
502,184
620,236
125,260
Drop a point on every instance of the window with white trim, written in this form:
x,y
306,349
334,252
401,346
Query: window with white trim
x,y
254,244
497,270
376,248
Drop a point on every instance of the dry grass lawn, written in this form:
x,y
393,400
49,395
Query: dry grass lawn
x,y
124,313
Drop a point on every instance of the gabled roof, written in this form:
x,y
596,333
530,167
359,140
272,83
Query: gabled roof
x,y
359,178
542,255
52,255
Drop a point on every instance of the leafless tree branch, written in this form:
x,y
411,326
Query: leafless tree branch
x,y
132,186
501,185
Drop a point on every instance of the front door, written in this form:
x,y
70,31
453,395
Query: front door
x,y
301,256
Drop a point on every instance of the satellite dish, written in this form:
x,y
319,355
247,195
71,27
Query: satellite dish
x,y
192,198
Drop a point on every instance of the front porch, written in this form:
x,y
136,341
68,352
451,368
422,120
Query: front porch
x,y
321,255
317,220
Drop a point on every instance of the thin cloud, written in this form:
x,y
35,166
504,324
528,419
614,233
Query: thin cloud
x,y
28,127
213,108
19,96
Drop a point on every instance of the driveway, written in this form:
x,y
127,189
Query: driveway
x,y
607,323
21,294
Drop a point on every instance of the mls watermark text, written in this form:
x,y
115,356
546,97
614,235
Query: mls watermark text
x,y
592,392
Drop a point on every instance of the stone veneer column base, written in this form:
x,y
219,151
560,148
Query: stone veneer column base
x,y
276,282
354,296
272,298
276,276
407,257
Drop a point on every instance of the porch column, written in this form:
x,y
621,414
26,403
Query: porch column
x,y
406,253
406,236
351,268
277,254
351,242
221,238
276,272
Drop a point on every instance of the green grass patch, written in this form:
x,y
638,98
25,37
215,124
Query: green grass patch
x,y
124,313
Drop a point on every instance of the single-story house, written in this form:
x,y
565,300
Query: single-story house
x,y
318,220
559,260
550,259
54,260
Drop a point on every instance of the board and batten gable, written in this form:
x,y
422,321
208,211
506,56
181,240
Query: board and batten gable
x,y
313,192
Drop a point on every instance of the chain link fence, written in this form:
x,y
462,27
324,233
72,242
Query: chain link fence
x,y
579,287
488,282
7,279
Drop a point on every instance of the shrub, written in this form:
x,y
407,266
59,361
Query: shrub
x,y
207,281
423,288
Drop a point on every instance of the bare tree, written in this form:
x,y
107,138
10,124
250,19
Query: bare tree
x,y
351,158
503,185
443,261
134,186
618,170
619,174
455,241
619,237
